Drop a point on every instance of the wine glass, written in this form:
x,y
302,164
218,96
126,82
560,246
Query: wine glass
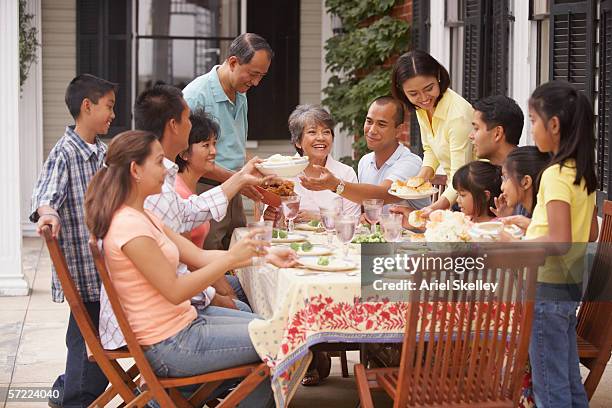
x,y
291,207
345,229
391,225
328,216
373,210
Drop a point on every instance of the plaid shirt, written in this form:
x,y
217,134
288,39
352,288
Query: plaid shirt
x,y
180,215
62,185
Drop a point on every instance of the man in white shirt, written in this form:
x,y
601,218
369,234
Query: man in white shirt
x,y
389,160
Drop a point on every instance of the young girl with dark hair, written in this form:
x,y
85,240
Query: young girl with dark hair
x,y
562,124
445,118
477,185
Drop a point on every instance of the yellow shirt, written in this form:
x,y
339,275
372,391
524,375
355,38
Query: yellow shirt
x,y
558,184
445,140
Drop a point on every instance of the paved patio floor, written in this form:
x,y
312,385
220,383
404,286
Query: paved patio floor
x,y
32,350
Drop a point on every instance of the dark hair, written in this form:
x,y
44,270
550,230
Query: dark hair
x,y
416,63
86,86
156,106
304,115
527,161
111,185
478,177
500,110
576,122
203,127
398,117
246,45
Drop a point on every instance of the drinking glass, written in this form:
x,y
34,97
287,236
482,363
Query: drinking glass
x,y
328,216
265,235
345,229
373,210
291,207
391,225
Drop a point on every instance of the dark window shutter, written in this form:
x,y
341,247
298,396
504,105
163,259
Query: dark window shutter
x,y
496,52
104,49
473,49
604,167
571,43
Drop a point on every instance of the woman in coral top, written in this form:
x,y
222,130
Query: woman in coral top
x,y
142,256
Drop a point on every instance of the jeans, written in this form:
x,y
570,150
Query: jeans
x,y
237,287
217,339
82,381
553,355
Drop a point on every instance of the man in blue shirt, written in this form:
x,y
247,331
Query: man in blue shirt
x,y
222,93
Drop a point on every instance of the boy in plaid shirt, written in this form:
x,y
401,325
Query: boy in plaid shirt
x,y
58,201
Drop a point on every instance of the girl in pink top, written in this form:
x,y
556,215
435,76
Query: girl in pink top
x,y
142,256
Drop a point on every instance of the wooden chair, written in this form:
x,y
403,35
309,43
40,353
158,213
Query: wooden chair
x,y
121,382
471,352
595,315
439,182
164,390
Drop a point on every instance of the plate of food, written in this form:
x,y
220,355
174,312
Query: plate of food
x,y
490,231
281,236
326,263
313,225
283,166
307,248
412,189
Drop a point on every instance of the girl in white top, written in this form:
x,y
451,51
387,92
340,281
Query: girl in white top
x,y
312,134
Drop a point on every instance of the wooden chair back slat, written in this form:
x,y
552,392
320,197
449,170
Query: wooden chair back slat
x,y
111,369
595,315
471,349
439,182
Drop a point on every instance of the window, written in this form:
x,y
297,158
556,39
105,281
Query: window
x,y
178,40
486,48
420,40
454,21
104,49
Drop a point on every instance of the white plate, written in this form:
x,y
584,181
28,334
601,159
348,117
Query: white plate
x,y
317,250
282,170
415,196
293,237
310,262
307,227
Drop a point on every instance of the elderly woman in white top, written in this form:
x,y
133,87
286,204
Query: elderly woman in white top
x,y
312,134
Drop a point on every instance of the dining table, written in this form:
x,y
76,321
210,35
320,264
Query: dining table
x,y
300,308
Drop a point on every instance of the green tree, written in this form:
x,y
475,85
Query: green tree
x,y
358,61
27,42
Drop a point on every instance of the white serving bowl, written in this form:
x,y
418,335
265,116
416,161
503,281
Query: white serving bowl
x,y
282,169
490,231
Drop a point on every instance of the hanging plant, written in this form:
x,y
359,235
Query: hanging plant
x,y
358,61
28,42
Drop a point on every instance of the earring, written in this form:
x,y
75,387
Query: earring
x,y
138,179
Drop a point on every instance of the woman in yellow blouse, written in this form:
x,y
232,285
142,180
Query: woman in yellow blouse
x,y
445,118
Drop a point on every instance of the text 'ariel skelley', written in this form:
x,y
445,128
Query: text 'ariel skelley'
x,y
455,284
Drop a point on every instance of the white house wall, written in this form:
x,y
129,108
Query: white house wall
x,y
58,66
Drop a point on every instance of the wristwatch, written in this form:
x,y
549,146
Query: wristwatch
x,y
340,187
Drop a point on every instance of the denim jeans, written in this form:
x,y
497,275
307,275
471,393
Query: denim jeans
x,y
217,339
553,354
237,287
82,381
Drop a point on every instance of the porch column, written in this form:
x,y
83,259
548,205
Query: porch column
x,y
12,281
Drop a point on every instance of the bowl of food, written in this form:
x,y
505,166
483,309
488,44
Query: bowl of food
x,y
283,166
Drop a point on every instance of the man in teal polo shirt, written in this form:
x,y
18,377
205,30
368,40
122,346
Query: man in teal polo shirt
x,y
222,93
